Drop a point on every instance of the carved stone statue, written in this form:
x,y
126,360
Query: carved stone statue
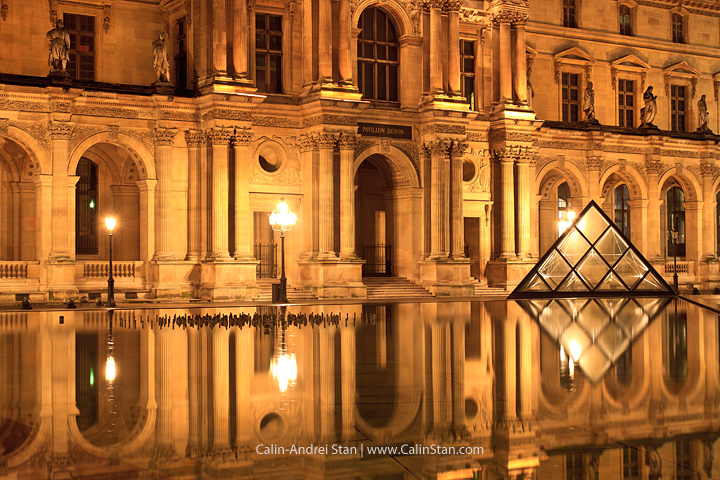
x,y
59,48
530,91
703,116
160,62
648,112
593,466
589,105
652,458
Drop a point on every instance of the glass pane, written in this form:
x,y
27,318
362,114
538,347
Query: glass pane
x,y
536,284
382,52
573,246
393,83
275,42
381,26
575,341
592,225
594,363
573,283
630,268
592,268
276,23
613,341
368,27
650,283
260,21
260,43
369,80
632,318
381,81
554,269
593,319
611,284
392,53
554,319
611,246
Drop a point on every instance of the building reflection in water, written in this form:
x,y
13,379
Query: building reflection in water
x,y
205,402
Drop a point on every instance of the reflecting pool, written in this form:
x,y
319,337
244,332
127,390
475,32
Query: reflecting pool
x,y
561,389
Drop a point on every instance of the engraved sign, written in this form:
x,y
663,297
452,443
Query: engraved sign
x,y
390,131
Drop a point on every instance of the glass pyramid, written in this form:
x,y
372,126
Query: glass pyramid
x,y
592,258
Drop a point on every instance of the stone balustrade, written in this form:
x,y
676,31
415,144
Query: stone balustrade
x,y
13,270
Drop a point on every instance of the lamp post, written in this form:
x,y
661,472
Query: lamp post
x,y
283,220
110,224
674,234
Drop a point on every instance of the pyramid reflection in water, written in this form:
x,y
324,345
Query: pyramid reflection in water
x,y
595,332
592,259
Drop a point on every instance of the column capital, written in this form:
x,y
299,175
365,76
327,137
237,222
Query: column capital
x,y
348,142
511,17
164,136
430,4
327,140
42,180
707,170
458,148
308,142
60,130
594,163
194,138
512,154
243,136
653,167
219,135
437,147
453,5
147,184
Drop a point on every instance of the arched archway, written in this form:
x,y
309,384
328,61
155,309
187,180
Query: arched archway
x,y
560,193
387,200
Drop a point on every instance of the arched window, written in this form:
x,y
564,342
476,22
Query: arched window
x,y
86,207
676,221
622,210
563,206
377,55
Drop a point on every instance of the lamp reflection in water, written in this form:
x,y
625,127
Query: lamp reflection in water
x,y
110,224
110,374
284,365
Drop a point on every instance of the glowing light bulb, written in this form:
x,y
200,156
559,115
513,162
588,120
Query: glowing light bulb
x,y
110,369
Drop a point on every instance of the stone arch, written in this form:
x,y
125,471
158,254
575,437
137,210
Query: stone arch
x,y
397,10
398,166
571,173
139,153
99,156
630,176
9,161
40,156
687,181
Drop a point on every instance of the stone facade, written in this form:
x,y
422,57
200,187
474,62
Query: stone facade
x,y
451,151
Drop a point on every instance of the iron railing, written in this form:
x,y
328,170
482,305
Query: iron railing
x,y
268,256
377,260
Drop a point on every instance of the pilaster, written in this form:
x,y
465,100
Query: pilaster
x,y
164,138
194,140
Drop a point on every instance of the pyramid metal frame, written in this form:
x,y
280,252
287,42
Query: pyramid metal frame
x,y
522,290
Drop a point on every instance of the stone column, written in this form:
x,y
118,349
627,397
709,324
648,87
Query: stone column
x,y
240,37
505,63
221,390
243,215
509,368
308,55
220,141
43,212
438,203
436,84
147,218
164,138
655,235
594,165
63,370
520,64
344,54
523,208
194,140
325,40
507,203
219,38
72,209
347,376
441,370
194,388
244,354
458,376
457,221
326,194
454,45
347,144
708,214
309,149
525,368
59,135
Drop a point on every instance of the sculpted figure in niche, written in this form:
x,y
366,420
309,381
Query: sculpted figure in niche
x,y
161,63
703,116
530,91
648,112
589,105
59,48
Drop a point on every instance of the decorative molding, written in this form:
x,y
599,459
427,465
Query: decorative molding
x,y
4,9
437,147
594,163
707,170
194,138
113,133
326,140
179,115
414,11
412,151
60,130
219,135
79,134
146,137
18,106
470,15
560,145
444,128
654,167
110,112
329,119
4,126
348,142
227,114
476,137
243,135
275,122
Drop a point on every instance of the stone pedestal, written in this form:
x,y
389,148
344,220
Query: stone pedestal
x,y
226,84
447,277
507,273
333,278
441,101
228,281
172,279
60,281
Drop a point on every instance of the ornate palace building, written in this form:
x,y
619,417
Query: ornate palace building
x,y
438,141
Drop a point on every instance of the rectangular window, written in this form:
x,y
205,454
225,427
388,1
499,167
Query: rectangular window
x,y
467,71
574,466
685,470
268,53
569,13
625,17
677,108
570,97
631,463
626,103
81,28
181,56
677,28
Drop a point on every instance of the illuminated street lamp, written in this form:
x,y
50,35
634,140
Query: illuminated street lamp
x,y
283,220
110,224
674,235
564,224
